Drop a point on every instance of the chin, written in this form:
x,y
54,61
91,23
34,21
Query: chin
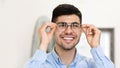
x,y
68,48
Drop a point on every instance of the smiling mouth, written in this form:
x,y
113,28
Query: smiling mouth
x,y
68,39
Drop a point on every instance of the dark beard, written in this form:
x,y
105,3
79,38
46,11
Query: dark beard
x,y
67,49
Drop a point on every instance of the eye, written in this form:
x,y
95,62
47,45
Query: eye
x,y
75,25
62,24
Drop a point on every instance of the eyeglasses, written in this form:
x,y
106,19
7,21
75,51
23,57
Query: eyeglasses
x,y
63,25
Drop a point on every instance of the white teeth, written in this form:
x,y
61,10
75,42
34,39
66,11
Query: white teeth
x,y
68,38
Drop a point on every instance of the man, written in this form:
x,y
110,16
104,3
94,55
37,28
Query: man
x,y
66,29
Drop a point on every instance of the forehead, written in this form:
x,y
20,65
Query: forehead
x,y
68,18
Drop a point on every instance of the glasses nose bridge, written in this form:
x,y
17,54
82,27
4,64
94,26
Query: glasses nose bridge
x,y
67,25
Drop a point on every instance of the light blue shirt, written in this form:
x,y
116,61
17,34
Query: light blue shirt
x,y
51,60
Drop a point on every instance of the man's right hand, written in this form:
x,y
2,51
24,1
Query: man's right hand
x,y
45,37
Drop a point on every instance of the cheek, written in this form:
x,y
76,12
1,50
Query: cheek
x,y
56,33
79,34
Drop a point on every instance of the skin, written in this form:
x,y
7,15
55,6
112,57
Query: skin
x,y
72,36
65,41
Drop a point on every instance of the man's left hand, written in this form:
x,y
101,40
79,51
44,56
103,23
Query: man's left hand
x,y
92,34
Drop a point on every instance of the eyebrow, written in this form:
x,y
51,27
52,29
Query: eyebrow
x,y
67,23
60,22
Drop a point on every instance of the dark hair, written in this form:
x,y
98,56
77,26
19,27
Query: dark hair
x,y
66,9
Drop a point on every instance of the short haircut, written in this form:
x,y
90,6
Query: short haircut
x,y
66,9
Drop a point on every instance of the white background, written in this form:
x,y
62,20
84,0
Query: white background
x,y
18,18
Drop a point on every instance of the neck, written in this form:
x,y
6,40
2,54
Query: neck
x,y
66,56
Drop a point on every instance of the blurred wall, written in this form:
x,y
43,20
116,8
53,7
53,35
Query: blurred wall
x,y
18,18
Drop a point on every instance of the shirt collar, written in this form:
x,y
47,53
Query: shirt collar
x,y
57,59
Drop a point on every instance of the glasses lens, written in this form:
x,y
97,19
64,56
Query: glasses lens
x,y
63,25
75,25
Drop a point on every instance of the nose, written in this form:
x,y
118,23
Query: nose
x,y
68,30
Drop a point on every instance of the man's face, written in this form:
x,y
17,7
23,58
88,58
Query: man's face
x,y
67,37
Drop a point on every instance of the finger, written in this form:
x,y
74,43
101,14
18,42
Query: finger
x,y
47,27
43,27
85,28
93,29
86,25
52,25
90,28
52,28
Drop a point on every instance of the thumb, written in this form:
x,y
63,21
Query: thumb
x,y
84,30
